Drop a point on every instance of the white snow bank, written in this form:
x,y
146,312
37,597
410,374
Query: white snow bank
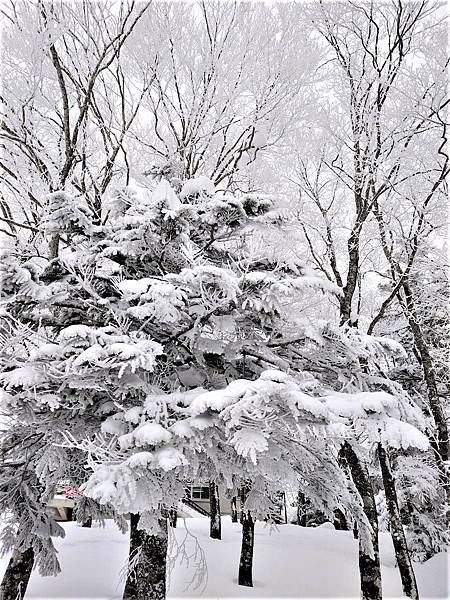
x,y
294,562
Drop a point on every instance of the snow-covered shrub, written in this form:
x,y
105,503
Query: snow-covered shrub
x,y
65,213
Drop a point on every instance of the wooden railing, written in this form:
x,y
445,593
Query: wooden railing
x,y
192,504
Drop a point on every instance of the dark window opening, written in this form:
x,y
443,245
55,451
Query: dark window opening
x,y
195,492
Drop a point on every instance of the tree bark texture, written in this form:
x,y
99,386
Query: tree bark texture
x,y
53,247
398,535
285,509
245,576
234,512
17,575
147,578
369,568
173,517
340,522
215,530
246,559
353,271
301,509
242,497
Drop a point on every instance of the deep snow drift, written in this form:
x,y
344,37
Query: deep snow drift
x,y
290,561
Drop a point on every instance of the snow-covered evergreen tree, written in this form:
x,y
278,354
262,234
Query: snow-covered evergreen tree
x,y
163,346
143,305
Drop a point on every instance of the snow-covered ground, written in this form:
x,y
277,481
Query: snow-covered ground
x,y
291,561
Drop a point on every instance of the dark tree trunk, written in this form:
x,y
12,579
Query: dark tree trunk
x,y
301,509
148,555
370,575
398,535
234,512
215,530
245,576
348,290
242,497
17,575
87,522
173,517
369,567
285,509
340,522
246,559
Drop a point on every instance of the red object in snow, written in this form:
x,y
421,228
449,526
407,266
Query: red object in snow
x,y
71,492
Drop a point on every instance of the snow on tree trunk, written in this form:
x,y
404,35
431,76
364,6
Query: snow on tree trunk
x,y
147,571
301,509
246,561
369,567
87,522
398,535
370,573
434,400
234,512
17,575
340,522
429,376
215,530
53,247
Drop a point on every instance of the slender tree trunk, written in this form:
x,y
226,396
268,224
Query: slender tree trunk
x,y
17,575
301,509
340,520
369,567
285,509
148,556
242,497
398,535
53,246
215,530
348,290
245,576
173,517
246,559
234,512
